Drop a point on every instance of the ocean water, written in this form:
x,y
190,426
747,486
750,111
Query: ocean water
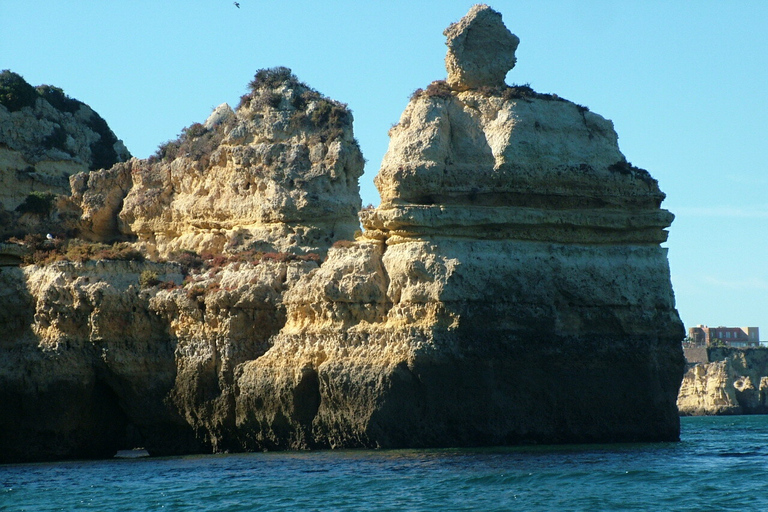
x,y
721,464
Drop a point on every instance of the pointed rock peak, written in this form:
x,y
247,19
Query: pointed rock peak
x,y
481,50
220,114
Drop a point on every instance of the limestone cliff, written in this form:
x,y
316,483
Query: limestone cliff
x,y
97,358
45,137
734,382
85,364
99,353
279,174
510,288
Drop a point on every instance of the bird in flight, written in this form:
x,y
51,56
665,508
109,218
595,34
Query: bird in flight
x,y
237,4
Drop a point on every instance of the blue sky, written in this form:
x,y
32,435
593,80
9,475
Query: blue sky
x,y
685,83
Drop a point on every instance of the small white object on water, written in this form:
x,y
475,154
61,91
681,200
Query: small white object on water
x,y
136,453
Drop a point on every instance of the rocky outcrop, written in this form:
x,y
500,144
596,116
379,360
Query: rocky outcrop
x,y
279,174
45,137
86,365
480,50
105,355
735,382
510,288
96,357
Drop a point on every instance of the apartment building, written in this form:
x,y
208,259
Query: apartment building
x,y
731,336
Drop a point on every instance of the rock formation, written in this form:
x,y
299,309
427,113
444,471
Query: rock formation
x,y
120,352
480,50
85,364
45,137
510,288
279,174
735,382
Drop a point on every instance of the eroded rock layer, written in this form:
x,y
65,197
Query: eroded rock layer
x,y
510,288
279,174
45,137
734,382
98,358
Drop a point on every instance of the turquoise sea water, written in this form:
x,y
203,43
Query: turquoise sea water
x,y
721,464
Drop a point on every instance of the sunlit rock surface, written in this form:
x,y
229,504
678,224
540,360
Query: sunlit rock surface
x,y
510,288
278,174
735,381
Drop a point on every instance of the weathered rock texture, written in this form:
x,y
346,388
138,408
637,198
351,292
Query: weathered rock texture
x,y
86,365
735,382
510,288
480,50
45,137
93,362
280,174
98,356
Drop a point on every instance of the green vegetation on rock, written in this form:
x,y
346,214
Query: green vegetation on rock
x,y
15,92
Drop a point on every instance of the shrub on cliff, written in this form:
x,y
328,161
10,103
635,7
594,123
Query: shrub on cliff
x,y
148,278
38,203
56,139
263,84
195,142
15,92
330,115
437,89
310,109
44,251
188,260
58,99
270,78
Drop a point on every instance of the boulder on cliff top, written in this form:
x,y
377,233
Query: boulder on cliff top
x,y
480,49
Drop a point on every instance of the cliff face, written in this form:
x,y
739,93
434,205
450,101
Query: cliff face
x,y
279,174
85,364
104,355
735,382
45,137
93,360
510,287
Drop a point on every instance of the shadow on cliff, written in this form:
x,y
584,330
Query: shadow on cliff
x,y
514,372
73,398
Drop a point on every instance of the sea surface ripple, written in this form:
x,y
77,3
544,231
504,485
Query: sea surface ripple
x,y
721,464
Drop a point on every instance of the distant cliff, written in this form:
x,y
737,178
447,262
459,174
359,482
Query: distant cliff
x,y
735,381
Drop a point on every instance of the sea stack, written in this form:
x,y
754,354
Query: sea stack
x,y
510,288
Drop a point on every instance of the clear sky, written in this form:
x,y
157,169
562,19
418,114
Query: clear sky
x,y
685,83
